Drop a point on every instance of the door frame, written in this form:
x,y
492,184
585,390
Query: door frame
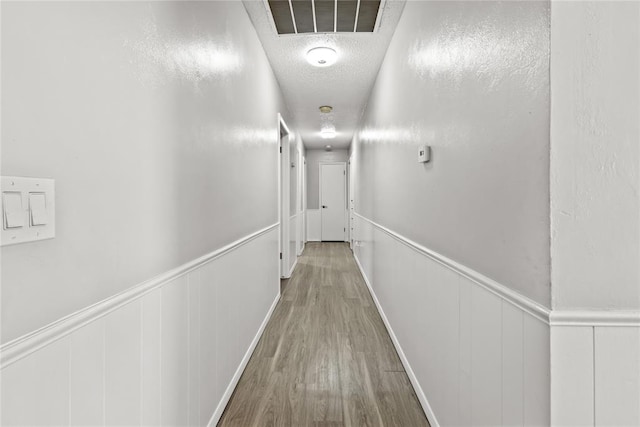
x,y
346,204
351,204
303,200
284,140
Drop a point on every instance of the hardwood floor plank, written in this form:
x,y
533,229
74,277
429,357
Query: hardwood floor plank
x,y
325,358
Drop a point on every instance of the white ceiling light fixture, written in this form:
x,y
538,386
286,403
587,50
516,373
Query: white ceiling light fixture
x,y
328,133
322,56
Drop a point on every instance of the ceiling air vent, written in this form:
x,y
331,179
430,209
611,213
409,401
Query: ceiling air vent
x,y
324,16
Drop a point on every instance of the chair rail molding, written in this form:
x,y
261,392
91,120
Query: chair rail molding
x,y
526,304
617,318
27,344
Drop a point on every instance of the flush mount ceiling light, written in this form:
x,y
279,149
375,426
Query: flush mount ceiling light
x,y
328,133
326,109
322,56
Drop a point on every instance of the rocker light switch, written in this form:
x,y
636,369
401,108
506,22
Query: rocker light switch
x,y
38,209
12,209
28,209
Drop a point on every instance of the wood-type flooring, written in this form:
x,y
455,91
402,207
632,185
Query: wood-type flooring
x,y
325,358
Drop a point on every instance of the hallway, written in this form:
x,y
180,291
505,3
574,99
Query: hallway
x,y
173,173
325,357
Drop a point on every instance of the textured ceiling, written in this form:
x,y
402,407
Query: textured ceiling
x,y
345,85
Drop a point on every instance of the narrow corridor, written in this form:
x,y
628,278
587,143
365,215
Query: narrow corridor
x,y
325,357
173,173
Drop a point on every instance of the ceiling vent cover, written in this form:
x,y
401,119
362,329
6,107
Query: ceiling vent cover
x,y
324,16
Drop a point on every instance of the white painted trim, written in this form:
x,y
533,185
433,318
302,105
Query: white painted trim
x,y
520,301
284,198
217,414
431,416
615,318
25,345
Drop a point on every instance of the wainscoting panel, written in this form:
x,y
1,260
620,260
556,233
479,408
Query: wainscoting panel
x,y
211,390
166,352
476,352
486,358
537,383
175,352
617,376
512,364
35,389
572,373
313,225
152,358
595,368
193,399
122,368
86,375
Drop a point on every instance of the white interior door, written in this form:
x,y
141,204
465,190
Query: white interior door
x,y
333,201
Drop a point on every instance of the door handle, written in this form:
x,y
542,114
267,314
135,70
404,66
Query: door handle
x,y
324,207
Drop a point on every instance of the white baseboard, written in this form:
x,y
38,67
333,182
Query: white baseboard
x,y
431,416
243,364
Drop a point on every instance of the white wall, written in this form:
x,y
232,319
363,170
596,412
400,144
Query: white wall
x,y
149,140
456,251
595,155
314,158
470,79
595,213
158,121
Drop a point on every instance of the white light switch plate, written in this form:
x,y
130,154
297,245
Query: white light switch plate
x,y
38,221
